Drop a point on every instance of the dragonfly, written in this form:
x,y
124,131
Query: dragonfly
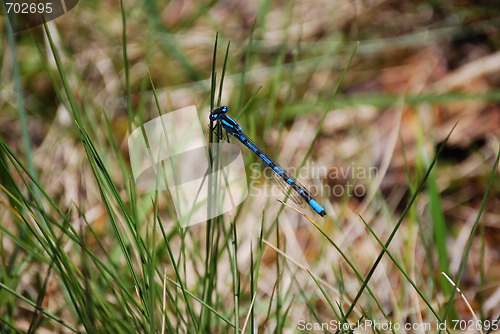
x,y
232,127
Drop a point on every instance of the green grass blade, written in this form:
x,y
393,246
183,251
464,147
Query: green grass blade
x,y
403,272
399,222
472,234
43,311
127,68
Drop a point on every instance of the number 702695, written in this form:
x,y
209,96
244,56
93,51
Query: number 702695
x,y
475,325
28,8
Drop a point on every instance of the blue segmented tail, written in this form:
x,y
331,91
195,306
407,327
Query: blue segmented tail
x,y
233,128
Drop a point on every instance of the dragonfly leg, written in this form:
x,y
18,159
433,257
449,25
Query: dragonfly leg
x,y
221,136
217,130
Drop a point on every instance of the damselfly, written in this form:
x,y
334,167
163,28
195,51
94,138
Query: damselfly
x,y
233,128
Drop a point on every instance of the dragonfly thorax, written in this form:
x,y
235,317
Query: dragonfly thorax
x,y
230,125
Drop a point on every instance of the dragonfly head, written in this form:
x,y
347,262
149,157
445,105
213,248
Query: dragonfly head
x,y
217,112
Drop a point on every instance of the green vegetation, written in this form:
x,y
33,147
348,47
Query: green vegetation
x,y
409,89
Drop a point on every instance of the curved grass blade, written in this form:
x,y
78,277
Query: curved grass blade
x,y
461,271
403,272
400,221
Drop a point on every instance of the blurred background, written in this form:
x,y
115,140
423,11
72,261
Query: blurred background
x,y
418,69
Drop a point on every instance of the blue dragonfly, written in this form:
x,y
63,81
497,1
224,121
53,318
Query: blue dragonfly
x,y
232,127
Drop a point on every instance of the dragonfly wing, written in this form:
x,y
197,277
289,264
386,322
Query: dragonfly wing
x,y
287,190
